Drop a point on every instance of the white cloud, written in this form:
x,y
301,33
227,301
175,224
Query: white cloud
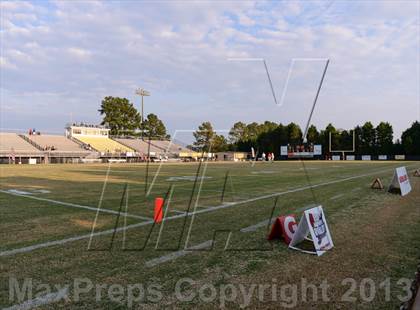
x,y
92,49
6,64
79,53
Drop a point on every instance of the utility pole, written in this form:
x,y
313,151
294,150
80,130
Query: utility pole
x,y
142,92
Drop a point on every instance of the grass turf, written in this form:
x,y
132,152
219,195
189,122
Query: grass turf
x,y
374,232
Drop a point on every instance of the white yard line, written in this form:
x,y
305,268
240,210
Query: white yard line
x,y
42,300
73,205
110,231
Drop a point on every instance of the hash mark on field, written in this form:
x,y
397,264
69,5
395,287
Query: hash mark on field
x,y
177,254
178,211
42,300
111,231
256,226
336,196
73,205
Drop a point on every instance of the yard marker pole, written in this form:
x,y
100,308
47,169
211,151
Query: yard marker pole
x,y
147,169
315,100
224,186
125,192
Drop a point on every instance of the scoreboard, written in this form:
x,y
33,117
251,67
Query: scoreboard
x,y
301,151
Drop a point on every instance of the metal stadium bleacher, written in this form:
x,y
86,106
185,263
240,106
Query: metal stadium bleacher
x,y
84,143
169,146
11,145
105,144
55,143
141,146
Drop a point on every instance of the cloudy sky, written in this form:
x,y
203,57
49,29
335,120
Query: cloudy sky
x,y
60,58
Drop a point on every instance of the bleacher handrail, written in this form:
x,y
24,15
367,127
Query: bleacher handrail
x,y
33,143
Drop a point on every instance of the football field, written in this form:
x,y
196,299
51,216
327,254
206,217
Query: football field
x,y
83,236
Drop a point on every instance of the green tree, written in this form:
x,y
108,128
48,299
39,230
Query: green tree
x,y
368,142
325,138
204,137
410,139
313,135
294,133
237,133
252,131
119,115
384,138
154,127
219,143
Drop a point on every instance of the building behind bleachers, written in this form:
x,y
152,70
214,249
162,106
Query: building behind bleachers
x,y
97,138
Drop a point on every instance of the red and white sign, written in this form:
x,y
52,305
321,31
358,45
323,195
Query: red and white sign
x,y
313,222
400,181
284,228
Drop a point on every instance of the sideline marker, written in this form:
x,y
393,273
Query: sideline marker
x,y
400,182
158,216
313,223
417,173
377,184
283,228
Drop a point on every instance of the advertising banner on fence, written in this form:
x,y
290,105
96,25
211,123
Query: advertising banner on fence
x,y
366,157
283,150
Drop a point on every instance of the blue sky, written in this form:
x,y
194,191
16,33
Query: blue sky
x,y
60,58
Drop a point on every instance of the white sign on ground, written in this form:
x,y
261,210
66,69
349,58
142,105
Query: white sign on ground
x,y
366,157
32,161
350,157
400,181
313,222
382,157
399,157
336,157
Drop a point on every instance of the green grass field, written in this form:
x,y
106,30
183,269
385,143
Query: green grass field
x,y
48,213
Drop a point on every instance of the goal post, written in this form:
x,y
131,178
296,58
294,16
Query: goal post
x,y
343,152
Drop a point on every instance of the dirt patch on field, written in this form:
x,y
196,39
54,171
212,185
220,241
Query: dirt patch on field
x,y
87,224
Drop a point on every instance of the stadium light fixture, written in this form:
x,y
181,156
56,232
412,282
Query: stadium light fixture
x,y
142,92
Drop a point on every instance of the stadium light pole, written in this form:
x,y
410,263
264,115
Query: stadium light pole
x,y
142,92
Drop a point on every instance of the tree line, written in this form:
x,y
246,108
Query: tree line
x,y
123,119
269,136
